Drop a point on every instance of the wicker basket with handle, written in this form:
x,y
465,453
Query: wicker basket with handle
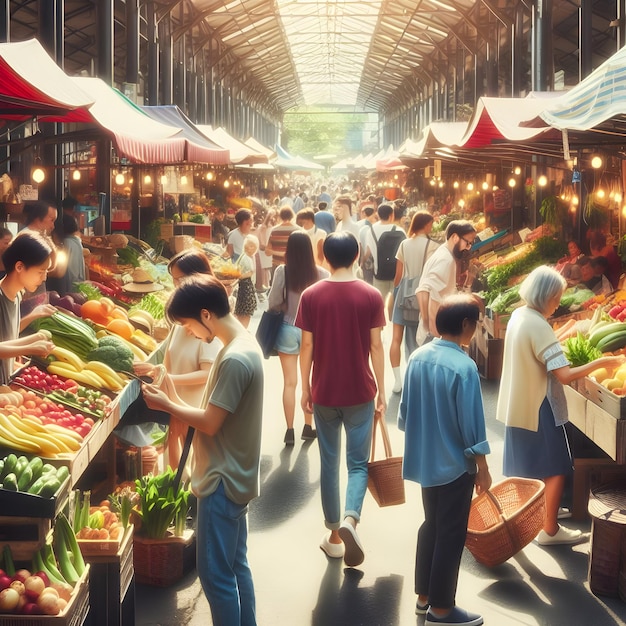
x,y
384,477
505,519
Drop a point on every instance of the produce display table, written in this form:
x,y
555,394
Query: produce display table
x,y
112,586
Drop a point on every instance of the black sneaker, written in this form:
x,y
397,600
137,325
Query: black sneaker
x,y
308,433
290,437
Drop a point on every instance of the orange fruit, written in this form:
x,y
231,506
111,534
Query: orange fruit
x,y
123,328
92,310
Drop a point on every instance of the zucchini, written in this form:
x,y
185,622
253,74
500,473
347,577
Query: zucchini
x,y
37,486
612,342
36,465
62,473
20,466
9,465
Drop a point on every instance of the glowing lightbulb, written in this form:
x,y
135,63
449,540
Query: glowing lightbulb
x,y
76,175
512,183
38,175
226,184
183,180
456,184
432,182
600,193
119,179
517,171
575,200
470,186
542,181
147,179
596,162
209,176
440,184
485,185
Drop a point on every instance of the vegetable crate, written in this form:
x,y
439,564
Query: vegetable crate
x,y
111,583
26,535
75,612
614,405
163,562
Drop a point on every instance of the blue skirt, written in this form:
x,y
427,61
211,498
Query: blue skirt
x,y
540,454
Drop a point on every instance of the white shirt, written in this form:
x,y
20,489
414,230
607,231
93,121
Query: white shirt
x,y
315,235
377,229
235,238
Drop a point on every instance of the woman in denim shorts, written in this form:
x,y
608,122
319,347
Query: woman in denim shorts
x,y
290,280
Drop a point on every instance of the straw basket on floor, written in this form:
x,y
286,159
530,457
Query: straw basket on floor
x,y
384,477
505,519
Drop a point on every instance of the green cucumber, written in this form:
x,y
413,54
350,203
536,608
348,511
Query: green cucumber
x,y
25,479
596,336
9,465
21,465
612,342
50,487
36,465
62,473
10,482
37,486
47,467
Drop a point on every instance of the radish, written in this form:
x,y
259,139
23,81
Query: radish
x,y
34,585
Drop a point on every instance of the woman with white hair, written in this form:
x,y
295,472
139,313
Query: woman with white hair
x,y
531,401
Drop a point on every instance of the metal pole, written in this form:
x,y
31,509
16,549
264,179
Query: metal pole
x,y
585,41
132,41
104,40
153,55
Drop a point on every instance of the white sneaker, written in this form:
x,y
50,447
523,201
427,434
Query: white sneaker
x,y
354,550
397,388
563,513
562,536
332,550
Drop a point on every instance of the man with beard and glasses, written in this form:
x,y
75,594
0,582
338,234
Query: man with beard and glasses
x,y
439,276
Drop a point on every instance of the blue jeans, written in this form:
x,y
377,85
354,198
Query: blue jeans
x,y
357,421
222,562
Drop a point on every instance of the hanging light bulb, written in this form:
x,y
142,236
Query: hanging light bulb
x,y
470,186
76,175
596,162
517,171
542,181
119,179
209,176
600,193
575,200
147,179
618,197
38,175
440,184
183,180
512,183
456,184
226,184
485,185
461,203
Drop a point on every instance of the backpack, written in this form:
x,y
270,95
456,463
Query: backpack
x,y
386,248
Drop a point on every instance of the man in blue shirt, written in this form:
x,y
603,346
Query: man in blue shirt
x,y
324,219
441,412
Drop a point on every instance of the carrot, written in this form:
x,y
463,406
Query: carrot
x,y
559,332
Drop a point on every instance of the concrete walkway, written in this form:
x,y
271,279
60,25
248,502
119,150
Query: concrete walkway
x,y
297,585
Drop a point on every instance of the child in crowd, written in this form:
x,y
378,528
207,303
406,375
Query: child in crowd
x,y
245,306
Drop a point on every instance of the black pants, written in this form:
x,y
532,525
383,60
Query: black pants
x,y
441,538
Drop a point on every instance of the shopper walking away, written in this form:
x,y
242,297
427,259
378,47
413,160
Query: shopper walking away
x,y
439,276
411,259
290,280
441,413
277,242
531,401
227,446
324,219
234,248
341,320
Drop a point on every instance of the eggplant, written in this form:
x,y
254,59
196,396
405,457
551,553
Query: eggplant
x,y
53,298
76,309
67,303
79,298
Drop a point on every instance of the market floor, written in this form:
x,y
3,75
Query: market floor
x,y
297,585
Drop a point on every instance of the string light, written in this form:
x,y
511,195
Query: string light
x,y
119,179
76,175
542,181
38,175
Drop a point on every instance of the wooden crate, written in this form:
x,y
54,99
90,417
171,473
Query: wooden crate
x,y
26,535
75,612
112,583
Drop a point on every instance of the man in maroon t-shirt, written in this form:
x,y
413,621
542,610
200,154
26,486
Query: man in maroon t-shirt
x,y
341,320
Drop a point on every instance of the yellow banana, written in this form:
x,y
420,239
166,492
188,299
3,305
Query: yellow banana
x,y
86,377
64,437
14,429
67,356
107,373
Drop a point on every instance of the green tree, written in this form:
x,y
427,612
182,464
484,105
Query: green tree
x,y
311,132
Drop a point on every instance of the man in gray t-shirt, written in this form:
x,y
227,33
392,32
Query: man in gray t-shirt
x,y
227,445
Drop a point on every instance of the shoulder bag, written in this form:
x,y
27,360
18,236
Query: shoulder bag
x,y
406,296
270,324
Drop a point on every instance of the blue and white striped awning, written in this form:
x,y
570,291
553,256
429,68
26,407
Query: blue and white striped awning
x,y
596,99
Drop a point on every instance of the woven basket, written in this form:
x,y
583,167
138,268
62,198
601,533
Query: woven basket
x,y
384,477
163,562
505,519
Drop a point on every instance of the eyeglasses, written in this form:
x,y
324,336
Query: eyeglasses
x,y
469,243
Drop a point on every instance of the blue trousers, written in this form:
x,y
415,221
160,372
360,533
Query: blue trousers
x,y
222,562
357,422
